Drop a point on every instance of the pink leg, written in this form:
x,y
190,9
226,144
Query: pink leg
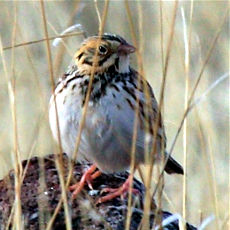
x,y
86,178
115,192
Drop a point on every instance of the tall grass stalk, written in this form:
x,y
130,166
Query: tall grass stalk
x,y
187,46
190,100
16,156
162,92
209,168
134,137
58,160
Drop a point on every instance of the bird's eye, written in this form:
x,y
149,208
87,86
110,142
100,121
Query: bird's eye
x,y
102,50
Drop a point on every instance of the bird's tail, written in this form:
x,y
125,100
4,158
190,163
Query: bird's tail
x,y
173,166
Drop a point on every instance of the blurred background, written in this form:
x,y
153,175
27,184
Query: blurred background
x,y
207,141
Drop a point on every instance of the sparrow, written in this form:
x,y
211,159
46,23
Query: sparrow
x,y
118,97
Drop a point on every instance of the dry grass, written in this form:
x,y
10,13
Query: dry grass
x,y
185,57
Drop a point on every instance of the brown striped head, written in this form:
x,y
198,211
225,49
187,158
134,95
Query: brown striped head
x,y
99,53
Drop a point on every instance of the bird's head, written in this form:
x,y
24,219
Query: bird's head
x,y
99,53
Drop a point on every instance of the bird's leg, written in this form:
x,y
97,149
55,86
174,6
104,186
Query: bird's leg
x,y
115,192
86,178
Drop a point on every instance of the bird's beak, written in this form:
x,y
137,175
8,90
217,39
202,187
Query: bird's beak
x,y
125,49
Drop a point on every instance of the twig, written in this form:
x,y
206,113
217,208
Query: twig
x,y
42,40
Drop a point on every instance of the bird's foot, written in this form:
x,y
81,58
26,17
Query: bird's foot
x,y
86,178
116,192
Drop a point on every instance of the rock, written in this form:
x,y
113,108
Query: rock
x,y
41,193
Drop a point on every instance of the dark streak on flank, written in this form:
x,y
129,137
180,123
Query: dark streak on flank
x,y
60,90
71,79
118,107
115,87
130,80
130,103
130,91
74,86
64,100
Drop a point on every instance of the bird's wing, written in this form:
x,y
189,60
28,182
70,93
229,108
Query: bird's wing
x,y
128,99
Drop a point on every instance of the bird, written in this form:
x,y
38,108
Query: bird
x,y
118,97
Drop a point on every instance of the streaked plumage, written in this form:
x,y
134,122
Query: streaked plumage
x,y
107,135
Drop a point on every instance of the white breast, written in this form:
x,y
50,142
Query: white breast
x,y
108,131
69,109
